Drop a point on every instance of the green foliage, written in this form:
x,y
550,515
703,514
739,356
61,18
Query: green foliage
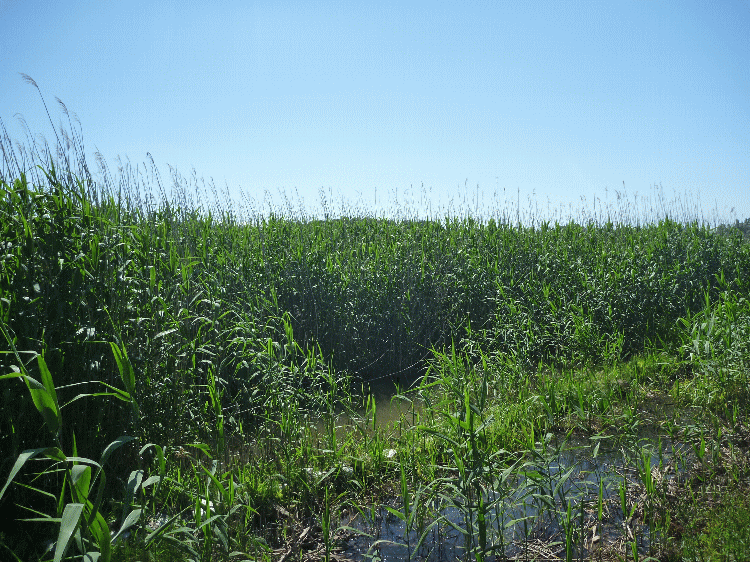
x,y
255,328
722,533
716,341
79,518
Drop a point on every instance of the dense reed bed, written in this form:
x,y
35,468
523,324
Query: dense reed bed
x,y
203,357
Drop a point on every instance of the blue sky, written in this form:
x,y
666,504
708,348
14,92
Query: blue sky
x,y
548,102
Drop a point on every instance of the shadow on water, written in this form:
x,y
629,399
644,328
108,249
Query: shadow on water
x,y
568,494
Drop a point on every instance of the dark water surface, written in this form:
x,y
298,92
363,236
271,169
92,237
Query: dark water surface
x,y
529,513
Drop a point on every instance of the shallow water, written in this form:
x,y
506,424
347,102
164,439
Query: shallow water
x,y
529,510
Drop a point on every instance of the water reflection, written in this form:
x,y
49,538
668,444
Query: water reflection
x,y
572,490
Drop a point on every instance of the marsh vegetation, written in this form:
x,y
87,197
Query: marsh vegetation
x,y
187,380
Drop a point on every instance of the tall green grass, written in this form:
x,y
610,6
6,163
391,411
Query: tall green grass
x,y
243,329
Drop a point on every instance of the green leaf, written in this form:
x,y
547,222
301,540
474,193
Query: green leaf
x,y
47,379
45,403
134,482
201,447
83,460
117,393
159,455
81,478
100,531
395,512
94,508
112,447
68,525
127,375
164,333
20,461
151,480
132,518
125,367
218,484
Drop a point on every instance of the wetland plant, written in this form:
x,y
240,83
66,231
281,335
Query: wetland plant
x,y
250,335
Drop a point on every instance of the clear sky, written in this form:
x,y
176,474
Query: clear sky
x,y
544,100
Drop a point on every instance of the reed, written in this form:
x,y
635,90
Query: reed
x,y
254,340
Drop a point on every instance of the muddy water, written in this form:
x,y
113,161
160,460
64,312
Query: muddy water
x,y
529,513
391,414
